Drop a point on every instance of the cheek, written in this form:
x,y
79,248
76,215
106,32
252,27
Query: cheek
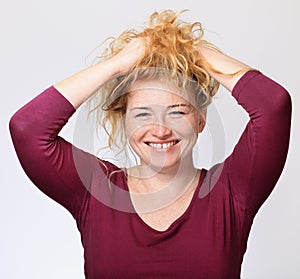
x,y
134,131
185,126
128,128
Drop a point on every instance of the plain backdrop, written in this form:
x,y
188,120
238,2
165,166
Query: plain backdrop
x,y
44,41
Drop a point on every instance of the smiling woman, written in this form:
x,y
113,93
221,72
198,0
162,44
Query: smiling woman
x,y
162,218
162,127
113,96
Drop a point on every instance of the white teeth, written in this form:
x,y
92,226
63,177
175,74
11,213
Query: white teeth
x,y
163,145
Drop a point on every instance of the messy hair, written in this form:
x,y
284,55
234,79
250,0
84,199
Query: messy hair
x,y
173,54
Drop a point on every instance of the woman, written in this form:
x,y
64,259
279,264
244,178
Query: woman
x,y
162,218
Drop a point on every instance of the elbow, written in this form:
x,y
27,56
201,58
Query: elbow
x,y
281,110
276,99
281,101
285,102
17,126
13,125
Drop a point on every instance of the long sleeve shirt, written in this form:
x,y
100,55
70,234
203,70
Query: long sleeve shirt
x,y
208,240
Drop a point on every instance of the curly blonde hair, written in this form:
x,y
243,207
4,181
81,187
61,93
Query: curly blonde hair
x,y
174,55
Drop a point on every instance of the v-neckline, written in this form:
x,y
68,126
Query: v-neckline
x,y
178,220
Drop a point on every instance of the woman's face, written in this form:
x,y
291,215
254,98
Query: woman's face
x,y
162,127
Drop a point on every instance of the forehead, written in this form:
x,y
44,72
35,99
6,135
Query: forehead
x,y
154,92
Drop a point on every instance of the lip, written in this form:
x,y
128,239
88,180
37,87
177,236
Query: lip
x,y
160,144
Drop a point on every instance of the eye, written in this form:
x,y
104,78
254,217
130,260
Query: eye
x,y
176,113
142,115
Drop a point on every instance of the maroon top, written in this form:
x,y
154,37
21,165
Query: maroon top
x,y
209,240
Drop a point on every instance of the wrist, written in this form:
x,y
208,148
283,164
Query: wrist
x,y
108,68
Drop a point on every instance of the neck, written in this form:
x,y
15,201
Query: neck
x,y
151,189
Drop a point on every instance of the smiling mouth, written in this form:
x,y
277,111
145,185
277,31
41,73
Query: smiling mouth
x,y
162,145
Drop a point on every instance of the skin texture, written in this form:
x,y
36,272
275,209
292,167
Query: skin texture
x,y
156,116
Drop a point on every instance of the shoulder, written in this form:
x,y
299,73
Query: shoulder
x,y
113,173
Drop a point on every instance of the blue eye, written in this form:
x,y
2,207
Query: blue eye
x,y
177,113
143,114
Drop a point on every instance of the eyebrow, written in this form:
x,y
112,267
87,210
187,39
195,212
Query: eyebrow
x,y
171,106
140,108
179,105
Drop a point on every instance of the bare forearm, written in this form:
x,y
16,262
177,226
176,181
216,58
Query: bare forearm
x,y
80,86
225,64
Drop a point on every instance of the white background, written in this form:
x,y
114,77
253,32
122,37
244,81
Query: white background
x,y
45,41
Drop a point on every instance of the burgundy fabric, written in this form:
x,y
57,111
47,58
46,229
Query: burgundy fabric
x,y
209,240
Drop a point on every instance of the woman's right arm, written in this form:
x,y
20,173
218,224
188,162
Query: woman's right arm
x,y
56,167
47,159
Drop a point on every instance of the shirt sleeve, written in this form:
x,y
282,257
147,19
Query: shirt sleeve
x,y
255,165
49,161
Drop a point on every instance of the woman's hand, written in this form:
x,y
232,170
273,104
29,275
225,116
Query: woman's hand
x,y
128,57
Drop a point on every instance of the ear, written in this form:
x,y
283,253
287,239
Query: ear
x,y
201,125
202,120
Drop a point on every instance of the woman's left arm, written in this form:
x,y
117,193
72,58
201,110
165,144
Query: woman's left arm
x,y
254,167
224,64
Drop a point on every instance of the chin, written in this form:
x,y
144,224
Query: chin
x,y
163,167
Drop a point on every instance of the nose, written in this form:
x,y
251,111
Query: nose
x,y
160,130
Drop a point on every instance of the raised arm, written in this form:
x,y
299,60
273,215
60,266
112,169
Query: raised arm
x,y
82,85
224,64
48,160
257,161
